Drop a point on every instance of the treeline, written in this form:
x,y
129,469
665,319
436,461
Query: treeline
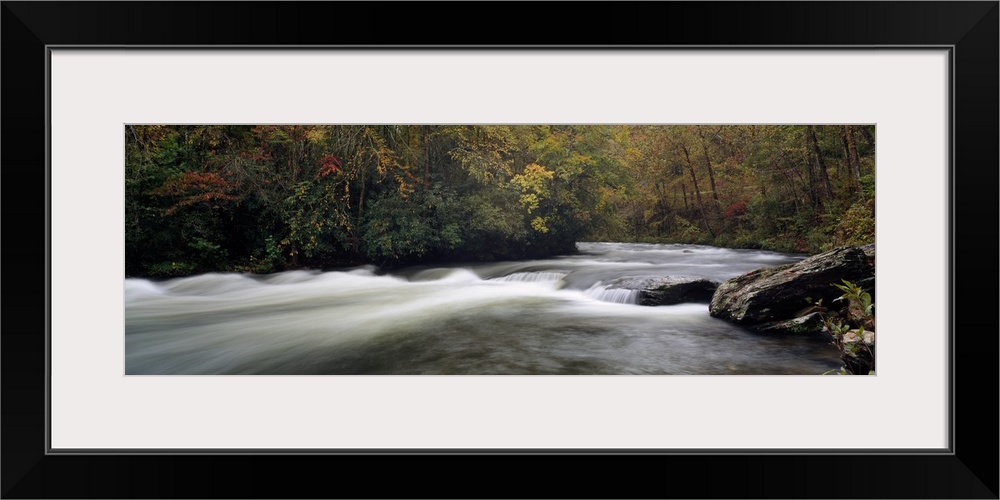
x,y
267,198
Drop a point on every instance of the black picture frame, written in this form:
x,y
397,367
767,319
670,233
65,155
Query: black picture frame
x,y
969,470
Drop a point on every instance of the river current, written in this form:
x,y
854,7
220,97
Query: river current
x,y
552,316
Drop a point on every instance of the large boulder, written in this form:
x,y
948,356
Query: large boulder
x,y
663,291
780,293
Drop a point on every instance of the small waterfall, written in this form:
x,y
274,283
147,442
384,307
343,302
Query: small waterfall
x,y
532,277
606,294
136,288
446,275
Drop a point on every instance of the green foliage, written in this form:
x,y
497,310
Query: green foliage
x,y
397,230
688,232
868,186
743,240
265,259
857,226
272,197
859,302
848,326
172,268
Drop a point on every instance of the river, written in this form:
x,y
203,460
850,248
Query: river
x,y
551,316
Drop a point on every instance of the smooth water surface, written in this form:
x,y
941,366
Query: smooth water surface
x,y
552,316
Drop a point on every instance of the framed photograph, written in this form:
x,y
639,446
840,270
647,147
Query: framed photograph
x,y
133,390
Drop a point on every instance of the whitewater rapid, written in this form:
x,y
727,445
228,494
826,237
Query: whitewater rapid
x,y
552,316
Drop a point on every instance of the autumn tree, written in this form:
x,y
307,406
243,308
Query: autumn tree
x,y
271,197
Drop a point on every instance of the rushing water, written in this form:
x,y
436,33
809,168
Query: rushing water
x,y
552,316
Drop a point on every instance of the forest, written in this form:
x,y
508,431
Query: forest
x,y
259,199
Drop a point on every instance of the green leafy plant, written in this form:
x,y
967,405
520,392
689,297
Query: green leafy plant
x,y
859,302
848,328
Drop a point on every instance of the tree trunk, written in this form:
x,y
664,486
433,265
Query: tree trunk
x,y
697,192
708,165
814,197
852,143
662,207
793,192
427,151
293,164
848,162
869,138
361,201
820,163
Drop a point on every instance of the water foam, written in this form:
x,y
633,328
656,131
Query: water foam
x,y
605,293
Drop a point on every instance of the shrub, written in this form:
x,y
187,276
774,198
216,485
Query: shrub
x,y
857,226
736,209
850,328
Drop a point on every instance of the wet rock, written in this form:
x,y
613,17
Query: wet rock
x,y
810,323
662,291
778,293
869,250
855,336
858,351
